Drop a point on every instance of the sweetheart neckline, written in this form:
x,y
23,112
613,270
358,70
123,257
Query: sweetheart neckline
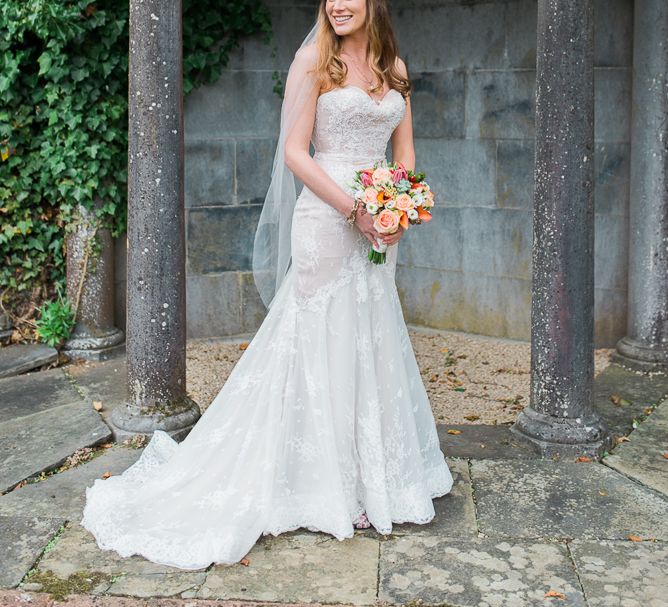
x,y
361,90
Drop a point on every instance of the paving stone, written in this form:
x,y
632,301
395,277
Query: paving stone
x,y
77,550
483,441
637,390
31,444
481,572
545,498
156,584
22,539
34,392
455,511
300,567
63,495
19,358
632,574
642,457
103,381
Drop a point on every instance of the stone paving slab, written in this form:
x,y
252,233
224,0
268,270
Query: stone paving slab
x,y
19,358
35,392
629,574
642,456
455,511
544,498
481,572
636,389
22,539
76,550
104,381
29,445
64,494
157,584
483,441
300,567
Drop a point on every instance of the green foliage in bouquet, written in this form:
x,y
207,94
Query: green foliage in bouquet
x,y
63,117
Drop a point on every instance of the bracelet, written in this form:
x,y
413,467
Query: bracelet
x,y
353,213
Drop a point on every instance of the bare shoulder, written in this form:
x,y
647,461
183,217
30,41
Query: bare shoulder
x,y
307,55
401,66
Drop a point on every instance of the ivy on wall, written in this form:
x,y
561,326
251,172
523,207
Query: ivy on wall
x,y
63,122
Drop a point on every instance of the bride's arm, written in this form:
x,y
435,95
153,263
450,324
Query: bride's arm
x,y
402,138
297,155
402,145
299,160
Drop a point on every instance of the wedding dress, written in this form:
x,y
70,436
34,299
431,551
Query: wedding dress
x,y
325,415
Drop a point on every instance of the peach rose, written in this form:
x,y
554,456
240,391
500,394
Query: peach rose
x,y
370,195
404,202
381,175
386,222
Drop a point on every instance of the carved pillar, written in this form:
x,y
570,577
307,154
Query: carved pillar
x,y
560,418
156,319
90,288
645,346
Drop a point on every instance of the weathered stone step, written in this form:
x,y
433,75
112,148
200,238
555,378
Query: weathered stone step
x,y
38,442
20,358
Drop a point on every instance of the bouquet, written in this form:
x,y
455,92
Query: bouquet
x,y
395,197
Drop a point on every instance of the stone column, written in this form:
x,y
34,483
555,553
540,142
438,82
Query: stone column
x,y
90,287
156,315
560,419
645,346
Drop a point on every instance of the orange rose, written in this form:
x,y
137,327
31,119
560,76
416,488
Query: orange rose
x,y
370,195
386,222
404,202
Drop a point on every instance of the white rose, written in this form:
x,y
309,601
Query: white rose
x,y
412,214
389,204
372,208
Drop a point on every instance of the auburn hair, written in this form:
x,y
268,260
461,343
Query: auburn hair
x,y
331,70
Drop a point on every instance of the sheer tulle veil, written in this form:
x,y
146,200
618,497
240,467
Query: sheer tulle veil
x,y
271,249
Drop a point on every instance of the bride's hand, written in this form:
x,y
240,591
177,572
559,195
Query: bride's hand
x,y
390,239
364,221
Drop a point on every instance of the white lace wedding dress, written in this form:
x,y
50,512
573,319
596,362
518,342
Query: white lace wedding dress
x,y
324,416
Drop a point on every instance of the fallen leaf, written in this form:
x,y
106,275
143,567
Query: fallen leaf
x,y
106,446
616,399
453,431
665,454
245,562
555,594
433,378
634,538
622,439
97,405
243,346
602,492
583,458
472,417
106,475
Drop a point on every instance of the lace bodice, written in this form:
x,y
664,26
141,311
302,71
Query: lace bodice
x,y
351,125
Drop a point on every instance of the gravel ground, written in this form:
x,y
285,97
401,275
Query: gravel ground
x,y
470,379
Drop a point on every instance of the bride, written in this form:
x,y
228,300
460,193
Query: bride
x,y
324,422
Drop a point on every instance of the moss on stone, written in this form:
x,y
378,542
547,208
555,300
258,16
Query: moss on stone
x,y
79,582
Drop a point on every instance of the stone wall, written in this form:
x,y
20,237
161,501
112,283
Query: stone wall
x,y
472,65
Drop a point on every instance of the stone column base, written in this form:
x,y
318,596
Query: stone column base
x,y
177,420
638,356
96,348
562,437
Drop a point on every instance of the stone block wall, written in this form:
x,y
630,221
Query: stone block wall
x,y
473,67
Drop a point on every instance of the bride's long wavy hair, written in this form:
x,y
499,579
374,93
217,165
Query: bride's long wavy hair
x,y
330,68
